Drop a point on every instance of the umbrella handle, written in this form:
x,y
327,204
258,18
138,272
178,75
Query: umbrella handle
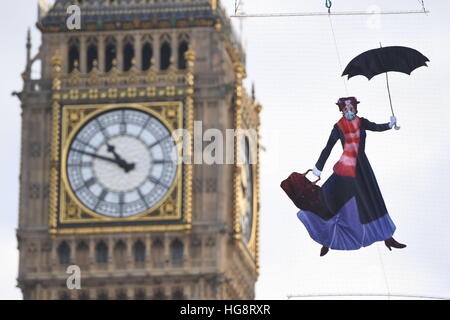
x,y
396,127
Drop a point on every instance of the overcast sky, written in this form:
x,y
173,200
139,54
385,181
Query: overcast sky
x,y
295,67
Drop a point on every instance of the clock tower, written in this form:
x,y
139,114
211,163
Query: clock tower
x,y
109,196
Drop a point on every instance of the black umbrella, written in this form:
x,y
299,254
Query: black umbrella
x,y
383,60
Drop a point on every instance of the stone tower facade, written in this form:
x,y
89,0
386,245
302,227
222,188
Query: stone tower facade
x,y
153,65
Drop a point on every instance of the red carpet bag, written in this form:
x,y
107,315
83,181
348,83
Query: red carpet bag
x,y
305,194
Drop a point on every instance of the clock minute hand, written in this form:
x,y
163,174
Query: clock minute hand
x,y
95,155
126,167
117,160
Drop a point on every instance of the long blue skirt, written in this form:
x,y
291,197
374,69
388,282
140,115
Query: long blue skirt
x,y
344,230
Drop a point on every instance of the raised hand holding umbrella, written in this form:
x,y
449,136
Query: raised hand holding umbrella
x,y
384,60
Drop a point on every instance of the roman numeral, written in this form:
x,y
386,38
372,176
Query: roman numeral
x,y
121,203
161,161
123,125
85,144
83,164
123,128
102,129
157,181
144,126
87,184
101,197
158,142
90,182
142,198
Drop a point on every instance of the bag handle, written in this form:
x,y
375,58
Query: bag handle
x,y
309,170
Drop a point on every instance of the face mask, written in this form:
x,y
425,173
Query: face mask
x,y
349,115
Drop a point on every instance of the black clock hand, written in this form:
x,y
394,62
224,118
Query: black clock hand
x,y
95,155
125,165
112,149
103,158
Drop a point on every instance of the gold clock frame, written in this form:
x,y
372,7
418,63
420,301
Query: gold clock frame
x,y
72,211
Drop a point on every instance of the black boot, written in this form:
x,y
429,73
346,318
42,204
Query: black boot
x,y
391,242
324,251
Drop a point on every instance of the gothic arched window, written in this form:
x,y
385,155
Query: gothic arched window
x,y
147,54
110,53
176,253
73,56
120,254
157,253
82,254
177,294
84,295
165,54
121,294
128,54
139,294
182,48
64,253
102,295
101,253
139,252
159,295
92,54
63,295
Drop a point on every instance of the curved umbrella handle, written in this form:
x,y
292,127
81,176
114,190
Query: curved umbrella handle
x,y
396,127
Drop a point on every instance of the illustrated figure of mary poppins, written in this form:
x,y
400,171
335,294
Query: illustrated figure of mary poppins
x,y
357,213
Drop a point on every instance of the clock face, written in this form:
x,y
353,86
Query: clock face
x,y
247,191
122,163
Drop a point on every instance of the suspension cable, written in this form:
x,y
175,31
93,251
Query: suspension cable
x,y
237,4
398,295
328,4
323,14
422,3
384,272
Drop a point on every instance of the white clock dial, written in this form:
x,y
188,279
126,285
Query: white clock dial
x,y
247,191
122,163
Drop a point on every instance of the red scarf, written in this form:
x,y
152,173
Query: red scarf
x,y
346,166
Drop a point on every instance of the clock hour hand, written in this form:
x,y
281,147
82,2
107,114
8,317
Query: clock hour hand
x,y
122,163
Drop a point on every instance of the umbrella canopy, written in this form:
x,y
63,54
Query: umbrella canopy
x,y
385,59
